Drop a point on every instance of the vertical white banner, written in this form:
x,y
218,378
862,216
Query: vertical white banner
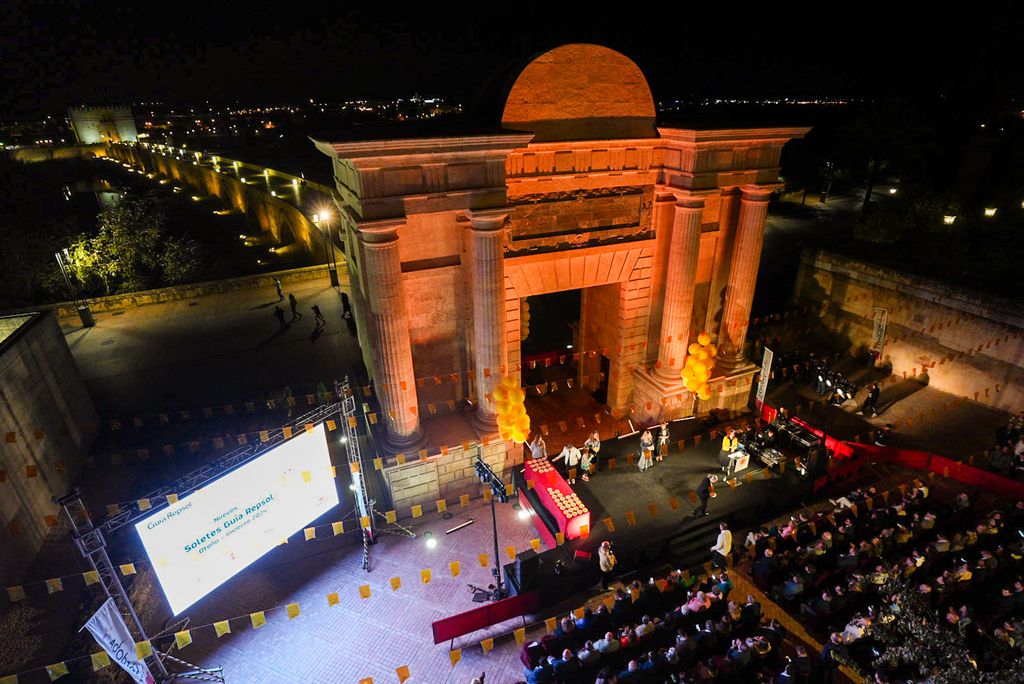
x,y
878,333
766,372
108,628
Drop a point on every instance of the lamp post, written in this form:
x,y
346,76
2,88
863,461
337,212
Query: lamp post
x,y
499,492
324,217
84,315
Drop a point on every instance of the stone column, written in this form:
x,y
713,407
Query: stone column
x,y
728,213
746,258
680,279
488,292
389,333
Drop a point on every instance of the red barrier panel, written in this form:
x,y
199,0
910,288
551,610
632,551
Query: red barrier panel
x,y
922,460
486,615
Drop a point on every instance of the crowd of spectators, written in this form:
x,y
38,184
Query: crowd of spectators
x,y
1007,454
837,570
673,630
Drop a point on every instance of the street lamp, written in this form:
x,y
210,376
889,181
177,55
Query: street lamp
x,y
84,315
323,220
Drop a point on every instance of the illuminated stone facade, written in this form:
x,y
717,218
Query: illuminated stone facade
x,y
103,124
580,189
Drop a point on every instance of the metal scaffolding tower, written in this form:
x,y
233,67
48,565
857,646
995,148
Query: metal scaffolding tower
x,y
90,542
365,513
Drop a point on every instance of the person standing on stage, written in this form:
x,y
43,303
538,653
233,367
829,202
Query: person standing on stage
x,y
730,443
606,560
593,445
662,442
723,546
871,402
571,457
704,492
646,450
538,449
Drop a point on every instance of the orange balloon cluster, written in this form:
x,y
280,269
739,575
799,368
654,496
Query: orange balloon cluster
x,y
700,359
569,504
513,422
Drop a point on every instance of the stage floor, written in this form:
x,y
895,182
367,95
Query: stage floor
x,y
615,493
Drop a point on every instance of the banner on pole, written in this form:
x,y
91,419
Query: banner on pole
x,y
108,628
762,383
881,317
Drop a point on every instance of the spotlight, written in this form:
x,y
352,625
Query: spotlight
x,y
428,537
523,514
990,212
344,440
568,346
352,486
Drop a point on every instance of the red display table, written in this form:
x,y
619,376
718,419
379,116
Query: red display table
x,y
558,498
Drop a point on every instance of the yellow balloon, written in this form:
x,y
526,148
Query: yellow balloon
x,y
703,375
518,437
516,395
712,350
688,374
692,384
510,381
702,355
690,360
704,393
693,348
500,393
704,339
699,367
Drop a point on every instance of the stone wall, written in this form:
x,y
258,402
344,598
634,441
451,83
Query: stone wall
x,y
445,476
194,290
47,422
275,215
970,344
31,155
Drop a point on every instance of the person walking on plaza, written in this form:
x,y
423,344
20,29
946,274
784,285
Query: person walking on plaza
x,y
318,316
593,445
705,490
277,286
295,306
346,306
607,561
646,450
871,402
279,315
723,546
663,437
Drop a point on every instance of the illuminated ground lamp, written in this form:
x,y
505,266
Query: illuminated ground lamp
x,y
892,191
990,212
429,540
948,220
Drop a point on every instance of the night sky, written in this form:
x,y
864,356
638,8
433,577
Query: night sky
x,y
60,53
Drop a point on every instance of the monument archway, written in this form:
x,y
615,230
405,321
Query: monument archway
x,y
659,227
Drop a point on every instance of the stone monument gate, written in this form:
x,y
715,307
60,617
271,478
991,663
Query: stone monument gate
x,y
660,228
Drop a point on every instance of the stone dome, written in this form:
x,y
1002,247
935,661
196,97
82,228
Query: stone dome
x,y
581,92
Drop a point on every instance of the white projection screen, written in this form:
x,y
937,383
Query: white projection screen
x,y
209,536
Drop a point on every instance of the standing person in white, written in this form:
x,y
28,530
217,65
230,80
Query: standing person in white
x,y
607,561
571,456
723,547
646,450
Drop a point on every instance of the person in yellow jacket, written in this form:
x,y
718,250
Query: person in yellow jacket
x,y
730,445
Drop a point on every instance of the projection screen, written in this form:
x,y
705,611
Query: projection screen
x,y
211,535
